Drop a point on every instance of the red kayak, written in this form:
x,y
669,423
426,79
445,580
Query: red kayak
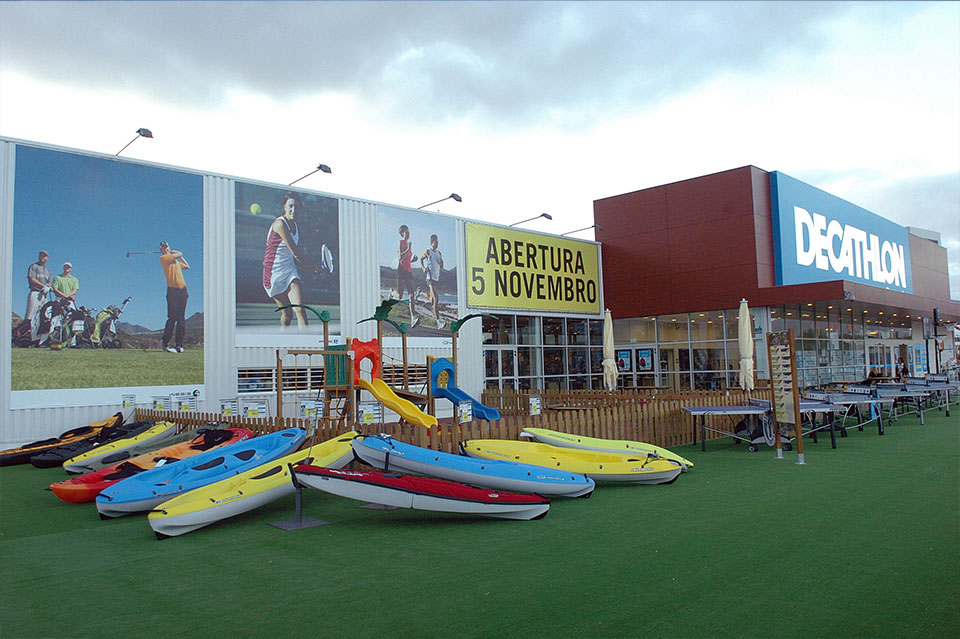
x,y
422,493
85,488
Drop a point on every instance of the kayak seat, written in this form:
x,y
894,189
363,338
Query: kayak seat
x,y
245,455
213,463
212,438
269,473
124,470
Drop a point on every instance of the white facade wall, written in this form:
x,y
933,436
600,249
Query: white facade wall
x,y
48,413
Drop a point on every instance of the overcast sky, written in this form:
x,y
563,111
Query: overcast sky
x,y
519,107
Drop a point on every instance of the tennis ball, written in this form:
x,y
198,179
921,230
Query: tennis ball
x,y
255,208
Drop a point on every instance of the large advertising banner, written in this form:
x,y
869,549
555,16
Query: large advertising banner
x,y
513,269
108,259
418,266
287,264
819,237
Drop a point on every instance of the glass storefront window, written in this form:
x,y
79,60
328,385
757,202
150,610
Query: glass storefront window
x,y
554,383
596,332
577,332
553,361
576,361
596,360
706,326
490,363
528,330
808,325
709,381
776,319
673,328
529,361
708,356
499,331
791,319
553,331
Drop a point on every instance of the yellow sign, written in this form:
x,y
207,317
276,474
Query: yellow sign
x,y
507,268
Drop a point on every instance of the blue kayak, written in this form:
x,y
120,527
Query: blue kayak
x,y
382,451
148,489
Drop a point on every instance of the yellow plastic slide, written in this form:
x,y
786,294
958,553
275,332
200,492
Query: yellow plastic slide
x,y
406,409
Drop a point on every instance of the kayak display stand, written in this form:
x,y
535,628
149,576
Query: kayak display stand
x,y
300,521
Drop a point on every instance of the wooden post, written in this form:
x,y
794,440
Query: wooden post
x,y
406,379
454,335
431,407
279,389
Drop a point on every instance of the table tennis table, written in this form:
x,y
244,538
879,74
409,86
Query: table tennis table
x,y
937,386
759,410
852,397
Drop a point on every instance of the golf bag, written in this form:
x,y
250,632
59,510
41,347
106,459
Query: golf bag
x,y
35,331
103,333
71,326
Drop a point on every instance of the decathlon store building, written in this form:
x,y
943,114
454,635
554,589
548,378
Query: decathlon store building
x,y
858,290
530,305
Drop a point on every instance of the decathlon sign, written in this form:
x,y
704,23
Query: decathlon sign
x,y
819,237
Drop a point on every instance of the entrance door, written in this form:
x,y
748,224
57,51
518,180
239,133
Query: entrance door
x,y
500,366
647,365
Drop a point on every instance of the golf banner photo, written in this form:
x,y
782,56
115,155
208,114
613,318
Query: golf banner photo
x,y
288,271
513,269
108,276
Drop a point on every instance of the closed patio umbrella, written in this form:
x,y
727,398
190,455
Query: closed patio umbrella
x,y
745,330
609,363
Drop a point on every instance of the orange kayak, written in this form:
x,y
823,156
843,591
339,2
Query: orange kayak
x,y
85,488
23,454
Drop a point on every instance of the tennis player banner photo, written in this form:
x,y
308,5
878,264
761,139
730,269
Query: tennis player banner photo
x,y
513,269
287,263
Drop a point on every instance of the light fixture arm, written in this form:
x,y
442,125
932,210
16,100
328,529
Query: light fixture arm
x,y
452,196
535,217
592,226
320,167
141,133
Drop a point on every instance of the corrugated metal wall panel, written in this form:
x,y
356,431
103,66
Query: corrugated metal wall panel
x,y
359,273
219,292
9,428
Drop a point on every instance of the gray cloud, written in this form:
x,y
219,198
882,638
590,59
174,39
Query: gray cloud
x,y
930,202
514,63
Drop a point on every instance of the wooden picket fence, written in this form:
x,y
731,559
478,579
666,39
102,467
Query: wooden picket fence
x,y
654,417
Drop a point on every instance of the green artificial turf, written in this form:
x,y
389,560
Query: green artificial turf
x,y
860,541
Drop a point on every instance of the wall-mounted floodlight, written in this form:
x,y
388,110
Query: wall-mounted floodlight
x,y
592,226
141,133
535,217
452,196
320,167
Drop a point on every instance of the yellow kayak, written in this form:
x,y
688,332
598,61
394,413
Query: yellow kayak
x,y
598,465
568,440
246,491
121,449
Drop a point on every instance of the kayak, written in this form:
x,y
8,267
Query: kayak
x,y
22,454
598,465
120,449
422,493
82,489
389,454
248,490
56,456
556,438
149,489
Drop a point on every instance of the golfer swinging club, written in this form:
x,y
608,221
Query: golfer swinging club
x,y
173,265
